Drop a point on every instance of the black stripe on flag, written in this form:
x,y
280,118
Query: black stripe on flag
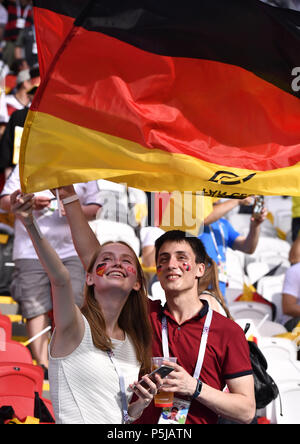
x,y
251,34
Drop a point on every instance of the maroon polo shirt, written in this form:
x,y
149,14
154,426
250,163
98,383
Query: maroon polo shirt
x,y
226,356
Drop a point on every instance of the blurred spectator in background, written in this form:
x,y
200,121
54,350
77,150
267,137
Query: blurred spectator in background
x,y
3,21
26,46
295,217
20,98
11,138
30,284
19,65
9,146
291,291
20,16
294,255
219,234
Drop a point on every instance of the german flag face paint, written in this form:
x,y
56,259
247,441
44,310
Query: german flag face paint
x,y
186,266
159,270
100,269
130,269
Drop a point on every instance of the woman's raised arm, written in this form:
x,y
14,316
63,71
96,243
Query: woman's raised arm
x,y
66,314
84,239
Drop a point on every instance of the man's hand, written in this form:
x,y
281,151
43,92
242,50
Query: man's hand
x,y
41,202
179,381
248,201
259,219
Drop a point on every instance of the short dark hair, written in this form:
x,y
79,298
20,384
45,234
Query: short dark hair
x,y
180,236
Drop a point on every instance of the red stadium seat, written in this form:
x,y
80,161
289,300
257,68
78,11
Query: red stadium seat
x,y
20,379
18,385
5,329
15,352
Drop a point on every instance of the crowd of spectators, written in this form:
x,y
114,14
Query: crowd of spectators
x,y
19,72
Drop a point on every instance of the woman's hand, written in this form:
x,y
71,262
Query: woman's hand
x,y
22,206
145,391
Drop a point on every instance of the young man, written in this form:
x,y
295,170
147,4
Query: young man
x,y
180,265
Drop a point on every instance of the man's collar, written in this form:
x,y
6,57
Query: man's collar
x,y
203,312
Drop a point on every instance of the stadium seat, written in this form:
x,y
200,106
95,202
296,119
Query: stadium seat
x,y
270,249
15,352
235,268
20,379
285,408
270,287
5,330
278,348
273,267
283,221
8,305
290,400
240,222
261,328
18,384
252,310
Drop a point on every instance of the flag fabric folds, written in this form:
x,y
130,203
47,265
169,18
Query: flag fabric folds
x,y
194,96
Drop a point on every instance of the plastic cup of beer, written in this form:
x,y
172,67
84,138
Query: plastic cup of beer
x,y
162,399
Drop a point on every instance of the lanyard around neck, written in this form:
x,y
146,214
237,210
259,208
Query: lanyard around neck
x,y
122,387
215,240
19,10
203,343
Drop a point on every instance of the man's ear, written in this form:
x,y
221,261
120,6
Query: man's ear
x,y
200,270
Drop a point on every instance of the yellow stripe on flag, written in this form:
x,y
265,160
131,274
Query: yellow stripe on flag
x,y
65,159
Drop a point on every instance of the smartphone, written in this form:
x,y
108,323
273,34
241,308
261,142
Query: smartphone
x,y
258,206
162,371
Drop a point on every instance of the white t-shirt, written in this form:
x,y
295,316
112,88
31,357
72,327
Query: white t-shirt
x,y
291,284
53,227
14,102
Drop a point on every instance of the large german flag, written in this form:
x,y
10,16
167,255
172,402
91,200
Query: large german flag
x,y
166,95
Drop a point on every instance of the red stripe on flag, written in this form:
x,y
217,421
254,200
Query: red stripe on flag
x,y
51,31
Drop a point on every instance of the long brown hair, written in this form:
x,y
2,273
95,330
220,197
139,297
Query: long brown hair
x,y
210,282
134,319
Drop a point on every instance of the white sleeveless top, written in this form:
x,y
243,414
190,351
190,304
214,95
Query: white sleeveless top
x,y
84,385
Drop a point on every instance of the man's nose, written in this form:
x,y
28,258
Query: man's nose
x,y
172,263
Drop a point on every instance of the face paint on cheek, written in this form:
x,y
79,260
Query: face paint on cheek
x,y
186,266
159,270
100,269
131,270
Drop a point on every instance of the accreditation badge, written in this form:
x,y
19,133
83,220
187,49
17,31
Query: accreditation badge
x,y
34,48
222,269
20,23
177,414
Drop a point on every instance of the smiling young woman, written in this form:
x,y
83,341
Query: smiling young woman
x,y
133,319
96,353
